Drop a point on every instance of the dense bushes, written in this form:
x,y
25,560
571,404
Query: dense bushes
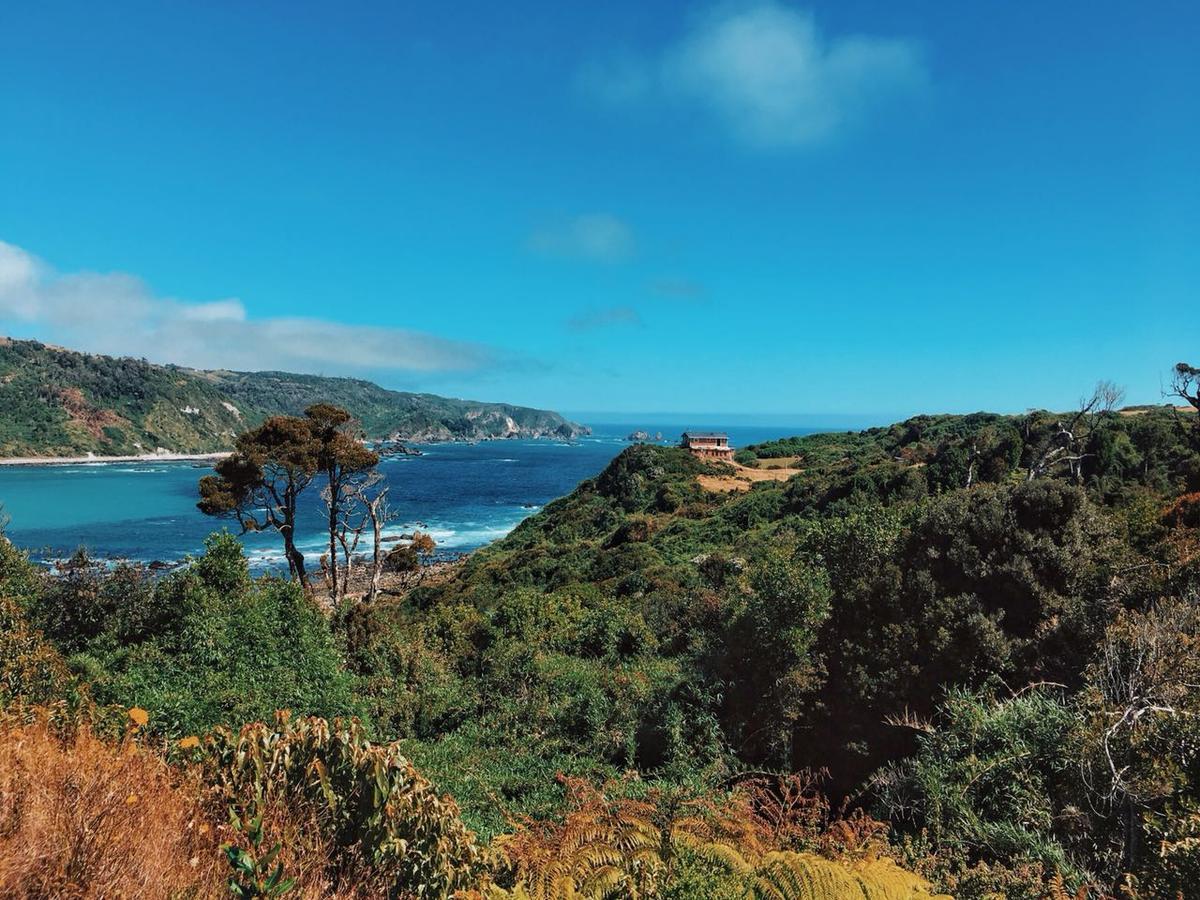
x,y
31,668
362,805
763,839
906,587
991,776
205,646
1003,665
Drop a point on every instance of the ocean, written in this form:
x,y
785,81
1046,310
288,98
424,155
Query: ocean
x,y
463,495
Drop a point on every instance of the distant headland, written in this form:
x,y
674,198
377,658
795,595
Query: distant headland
x,y
59,405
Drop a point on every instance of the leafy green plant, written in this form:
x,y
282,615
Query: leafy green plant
x,y
365,799
255,873
204,646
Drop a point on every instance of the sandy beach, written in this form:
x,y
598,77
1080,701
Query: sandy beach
x,y
92,458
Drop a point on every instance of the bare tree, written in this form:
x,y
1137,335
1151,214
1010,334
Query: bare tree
x,y
983,443
1141,705
380,513
1068,442
347,465
1185,385
361,502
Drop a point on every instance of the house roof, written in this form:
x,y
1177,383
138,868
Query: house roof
x,y
705,434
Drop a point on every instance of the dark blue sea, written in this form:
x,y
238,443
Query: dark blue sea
x,y
463,495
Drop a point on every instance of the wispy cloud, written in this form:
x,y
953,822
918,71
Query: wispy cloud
x,y
678,289
118,314
600,237
768,73
590,320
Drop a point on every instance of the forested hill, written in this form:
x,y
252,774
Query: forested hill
x,y
981,633
56,402
886,615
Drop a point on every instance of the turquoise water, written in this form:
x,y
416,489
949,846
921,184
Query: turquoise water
x,y
464,495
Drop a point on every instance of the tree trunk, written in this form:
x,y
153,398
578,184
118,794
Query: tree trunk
x,y
347,554
377,549
287,528
333,530
1132,823
294,557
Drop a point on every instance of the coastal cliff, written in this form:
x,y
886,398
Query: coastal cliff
x,y
58,403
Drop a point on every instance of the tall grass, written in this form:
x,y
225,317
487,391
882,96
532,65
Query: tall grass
x,y
81,817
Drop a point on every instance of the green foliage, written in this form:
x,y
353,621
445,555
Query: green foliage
x,y
995,582
904,582
32,670
882,608
497,779
745,457
201,647
57,402
764,654
365,798
990,782
255,873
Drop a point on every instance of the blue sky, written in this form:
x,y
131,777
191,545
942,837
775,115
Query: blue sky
x,y
754,208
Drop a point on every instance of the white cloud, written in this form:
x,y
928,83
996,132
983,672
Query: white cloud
x,y
216,311
767,72
118,314
600,237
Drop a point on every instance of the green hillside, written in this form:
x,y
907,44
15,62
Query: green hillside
x,y
789,625
965,647
56,402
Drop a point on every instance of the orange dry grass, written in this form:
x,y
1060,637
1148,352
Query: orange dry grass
x,y
82,818
742,478
322,870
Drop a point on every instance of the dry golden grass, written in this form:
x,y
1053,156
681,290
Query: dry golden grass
x,y
321,870
1141,411
82,818
742,478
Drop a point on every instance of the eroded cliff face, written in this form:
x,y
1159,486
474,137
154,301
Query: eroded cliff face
x,y
485,426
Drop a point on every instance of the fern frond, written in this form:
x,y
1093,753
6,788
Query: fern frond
x,y
723,855
603,882
805,876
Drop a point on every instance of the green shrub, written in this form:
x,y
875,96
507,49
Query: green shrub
x,y
366,799
204,646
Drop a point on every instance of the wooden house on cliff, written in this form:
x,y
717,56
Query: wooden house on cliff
x,y
708,444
